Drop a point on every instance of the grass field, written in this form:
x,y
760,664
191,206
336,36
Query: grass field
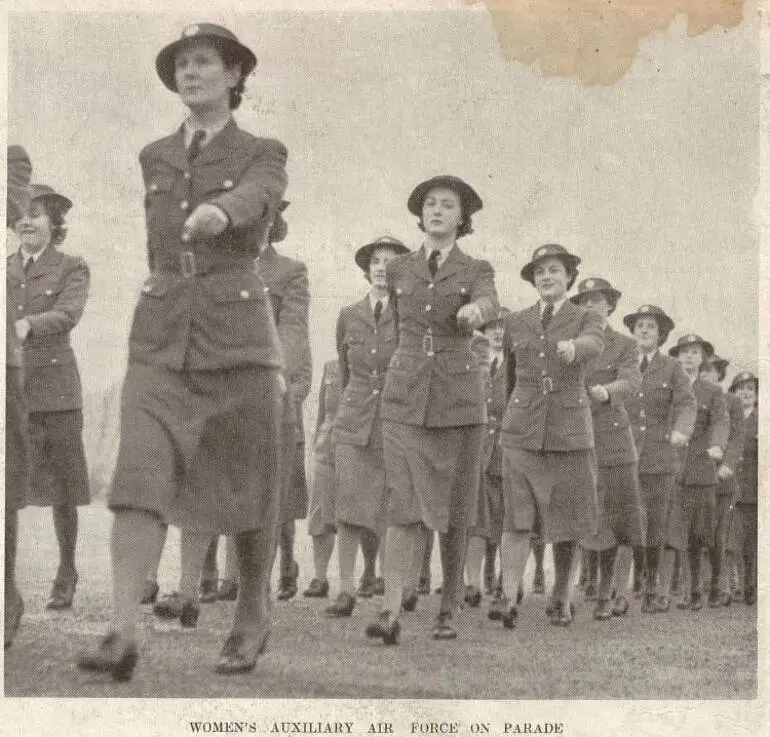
x,y
711,654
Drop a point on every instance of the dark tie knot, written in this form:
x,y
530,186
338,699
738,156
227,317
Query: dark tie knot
x,y
547,315
645,363
433,262
28,264
195,145
377,311
493,367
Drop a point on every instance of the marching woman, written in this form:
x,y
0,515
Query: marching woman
x,y
433,405
727,534
611,378
549,466
692,522
48,291
366,341
17,203
746,387
201,406
662,416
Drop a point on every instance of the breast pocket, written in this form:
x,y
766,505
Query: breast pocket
x,y
402,379
239,314
575,417
157,199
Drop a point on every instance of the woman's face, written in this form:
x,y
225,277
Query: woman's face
x,y
551,278
597,301
691,357
647,333
495,332
201,76
747,393
377,273
442,212
34,228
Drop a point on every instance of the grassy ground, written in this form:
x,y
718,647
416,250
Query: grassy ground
x,y
710,654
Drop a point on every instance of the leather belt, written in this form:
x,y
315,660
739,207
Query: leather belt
x,y
189,264
430,344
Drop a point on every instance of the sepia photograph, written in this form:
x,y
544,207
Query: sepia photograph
x,y
405,354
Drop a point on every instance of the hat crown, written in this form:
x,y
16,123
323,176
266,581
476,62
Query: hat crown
x,y
386,240
594,284
207,29
550,249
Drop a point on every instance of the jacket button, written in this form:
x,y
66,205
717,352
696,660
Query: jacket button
x,y
186,175
515,401
542,337
642,428
615,424
228,184
48,292
184,204
489,400
463,290
54,360
431,285
399,290
265,289
641,394
153,187
244,294
542,355
22,285
374,350
544,372
147,289
428,308
20,307
375,392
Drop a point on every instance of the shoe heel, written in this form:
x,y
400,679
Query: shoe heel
x,y
124,668
189,616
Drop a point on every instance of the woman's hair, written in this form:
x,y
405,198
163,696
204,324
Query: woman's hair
x,y
230,58
56,218
464,228
572,272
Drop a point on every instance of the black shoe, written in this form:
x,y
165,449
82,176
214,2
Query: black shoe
x,y
239,654
423,586
520,593
208,593
14,609
620,606
342,607
498,607
603,610
62,593
750,596
173,606
390,632
562,615
472,596
365,588
510,617
112,656
287,586
228,590
409,600
663,604
442,627
150,590
590,592
317,589
379,586
696,602
684,603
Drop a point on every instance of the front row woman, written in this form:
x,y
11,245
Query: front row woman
x,y
549,465
433,406
201,405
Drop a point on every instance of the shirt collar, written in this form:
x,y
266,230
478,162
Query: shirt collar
x,y
373,301
210,131
556,306
444,252
26,255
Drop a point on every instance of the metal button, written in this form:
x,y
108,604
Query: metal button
x,y
20,307
641,394
184,205
48,292
227,184
642,428
186,175
376,392
153,187
244,294
615,424
431,285
515,401
147,289
185,238
543,372
428,308
489,400
542,337
266,289
491,431
54,360
542,355
399,290
374,350
463,290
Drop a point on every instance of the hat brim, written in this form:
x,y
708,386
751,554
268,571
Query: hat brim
x,y
499,317
57,200
735,384
364,254
469,198
665,323
707,347
164,63
615,295
568,259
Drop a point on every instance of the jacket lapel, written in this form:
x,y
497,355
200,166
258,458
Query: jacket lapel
x,y
49,261
565,314
220,145
364,311
454,262
419,264
15,270
173,152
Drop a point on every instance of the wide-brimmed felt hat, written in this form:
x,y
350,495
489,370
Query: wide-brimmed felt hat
x,y
596,284
691,339
469,198
280,228
164,63
501,313
742,378
44,192
364,254
665,323
550,250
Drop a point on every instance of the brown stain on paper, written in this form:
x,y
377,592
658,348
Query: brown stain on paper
x,y
595,41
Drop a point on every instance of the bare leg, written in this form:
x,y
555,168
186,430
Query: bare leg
x,y
231,559
348,540
157,554
65,522
323,546
255,553
287,549
452,544
622,572
514,552
606,567
401,545
194,547
473,560
667,571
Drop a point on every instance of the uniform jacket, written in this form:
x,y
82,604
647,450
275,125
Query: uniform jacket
x,y
712,427
203,307
328,401
747,468
665,402
549,408
734,449
434,378
52,297
616,368
365,349
497,396
286,285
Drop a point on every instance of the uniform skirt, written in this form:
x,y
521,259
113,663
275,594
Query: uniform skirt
x,y
692,521
200,449
58,474
489,517
658,494
321,518
728,525
432,474
15,443
293,488
552,494
621,518
361,496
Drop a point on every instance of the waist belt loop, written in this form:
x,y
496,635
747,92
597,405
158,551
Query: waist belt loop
x,y
187,264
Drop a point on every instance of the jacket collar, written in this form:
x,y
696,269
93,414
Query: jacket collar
x,y
49,259
173,150
365,312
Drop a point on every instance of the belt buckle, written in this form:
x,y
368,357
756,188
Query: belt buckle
x,y
547,383
187,264
427,345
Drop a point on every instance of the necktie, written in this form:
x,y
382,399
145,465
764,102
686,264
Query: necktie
x,y
377,312
433,262
195,145
645,363
29,264
493,367
547,315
